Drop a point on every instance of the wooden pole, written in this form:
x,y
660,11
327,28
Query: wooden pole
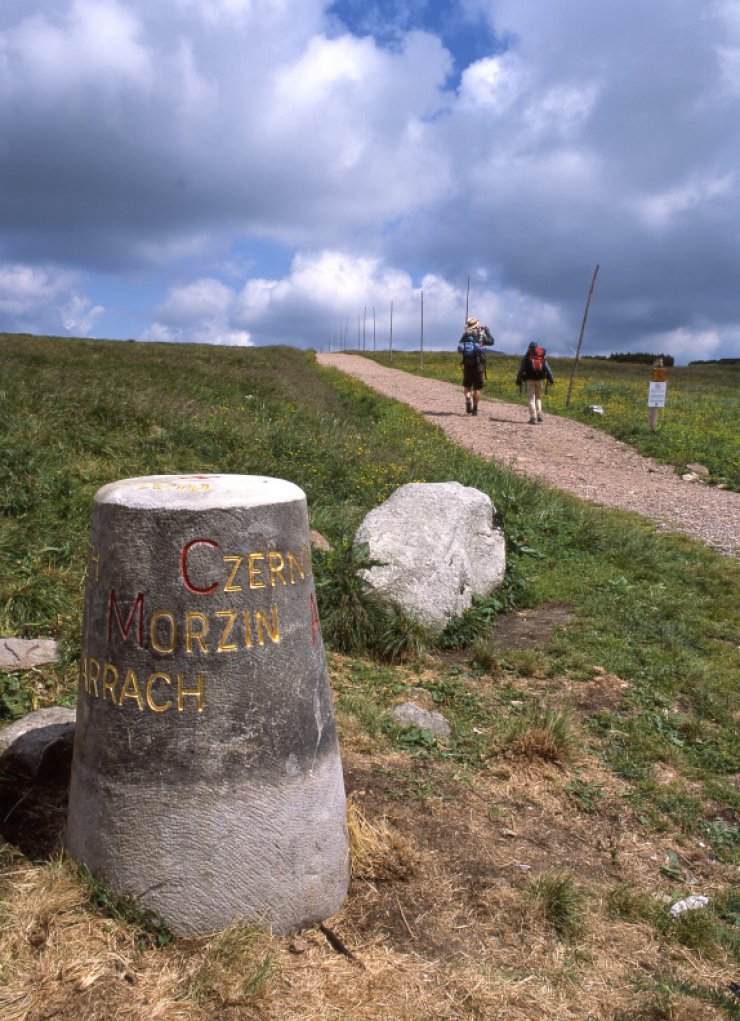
x,y
421,339
390,339
467,301
580,338
364,326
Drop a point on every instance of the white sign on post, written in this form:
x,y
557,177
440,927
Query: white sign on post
x,y
656,395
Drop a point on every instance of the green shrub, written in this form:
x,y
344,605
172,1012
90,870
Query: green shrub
x,y
631,905
351,613
402,638
557,899
541,734
474,623
486,657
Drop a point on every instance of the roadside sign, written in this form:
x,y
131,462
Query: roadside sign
x,y
656,395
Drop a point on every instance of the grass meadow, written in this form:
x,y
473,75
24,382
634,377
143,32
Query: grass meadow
x,y
699,423
522,869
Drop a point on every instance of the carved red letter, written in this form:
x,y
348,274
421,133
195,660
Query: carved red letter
x,y
184,567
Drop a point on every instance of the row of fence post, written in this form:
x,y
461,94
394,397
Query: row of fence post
x,y
341,337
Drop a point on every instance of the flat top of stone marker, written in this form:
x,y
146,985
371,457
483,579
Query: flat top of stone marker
x,y
199,492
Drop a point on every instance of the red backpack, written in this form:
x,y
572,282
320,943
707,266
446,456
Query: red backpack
x,y
536,361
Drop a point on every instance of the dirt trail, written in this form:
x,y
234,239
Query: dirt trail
x,y
566,454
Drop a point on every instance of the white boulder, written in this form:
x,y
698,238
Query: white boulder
x,y
437,547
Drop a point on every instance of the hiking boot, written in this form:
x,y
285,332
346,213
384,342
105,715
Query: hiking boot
x,y
468,405
533,421
475,409
539,418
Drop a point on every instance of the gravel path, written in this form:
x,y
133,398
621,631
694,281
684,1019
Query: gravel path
x,y
566,454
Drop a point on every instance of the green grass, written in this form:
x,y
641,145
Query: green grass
x,y
698,423
658,612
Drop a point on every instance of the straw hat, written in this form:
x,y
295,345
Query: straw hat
x,y
472,321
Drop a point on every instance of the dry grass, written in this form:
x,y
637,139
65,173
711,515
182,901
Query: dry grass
x,y
62,959
377,852
450,936
440,922
235,969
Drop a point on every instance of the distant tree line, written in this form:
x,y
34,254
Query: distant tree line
x,y
642,358
716,361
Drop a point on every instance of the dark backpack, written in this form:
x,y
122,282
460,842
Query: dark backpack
x,y
536,362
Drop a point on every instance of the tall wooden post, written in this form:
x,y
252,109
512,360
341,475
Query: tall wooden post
x,y
421,339
390,339
580,338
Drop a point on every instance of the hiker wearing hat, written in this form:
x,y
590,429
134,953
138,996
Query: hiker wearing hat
x,y
534,370
476,337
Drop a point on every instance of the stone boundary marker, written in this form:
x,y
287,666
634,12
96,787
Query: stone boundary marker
x,y
206,778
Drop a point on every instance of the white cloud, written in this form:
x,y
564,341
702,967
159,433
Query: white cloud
x,y
687,345
23,289
562,110
97,40
203,333
44,299
331,295
160,333
190,133
726,13
660,211
321,293
237,13
200,312
79,315
325,65
494,82
205,299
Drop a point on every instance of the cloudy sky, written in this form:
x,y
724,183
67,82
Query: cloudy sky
x,y
280,171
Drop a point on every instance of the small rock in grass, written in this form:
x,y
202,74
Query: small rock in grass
x,y
693,903
26,653
40,744
412,715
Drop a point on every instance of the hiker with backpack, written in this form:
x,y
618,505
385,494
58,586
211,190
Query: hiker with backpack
x,y
534,370
476,337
